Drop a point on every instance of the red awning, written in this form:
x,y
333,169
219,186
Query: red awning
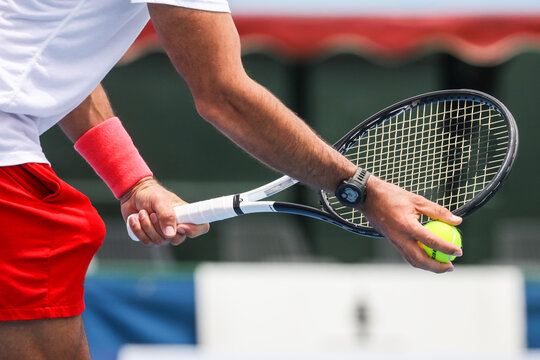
x,y
475,39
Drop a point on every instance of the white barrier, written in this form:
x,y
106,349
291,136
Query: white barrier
x,y
349,308
179,352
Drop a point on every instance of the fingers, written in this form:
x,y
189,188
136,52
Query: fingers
x,y
155,221
394,212
144,229
405,238
176,233
438,212
415,233
406,242
192,230
411,250
428,238
188,230
147,228
418,258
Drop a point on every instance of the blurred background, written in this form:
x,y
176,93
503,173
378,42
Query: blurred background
x,y
328,292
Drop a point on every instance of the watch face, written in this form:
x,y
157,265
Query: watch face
x,y
352,192
350,195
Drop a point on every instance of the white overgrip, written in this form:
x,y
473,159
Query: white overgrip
x,y
206,211
200,212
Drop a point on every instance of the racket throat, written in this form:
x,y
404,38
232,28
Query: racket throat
x,y
237,200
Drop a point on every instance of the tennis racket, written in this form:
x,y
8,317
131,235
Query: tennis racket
x,y
453,147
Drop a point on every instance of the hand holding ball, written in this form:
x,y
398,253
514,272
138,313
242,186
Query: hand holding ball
x,y
446,232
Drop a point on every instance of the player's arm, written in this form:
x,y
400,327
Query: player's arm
x,y
205,49
88,126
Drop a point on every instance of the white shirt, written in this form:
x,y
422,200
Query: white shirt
x,y
54,53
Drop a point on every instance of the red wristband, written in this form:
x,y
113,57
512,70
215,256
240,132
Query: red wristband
x,y
108,148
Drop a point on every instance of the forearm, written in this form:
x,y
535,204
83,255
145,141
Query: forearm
x,y
103,142
260,124
92,111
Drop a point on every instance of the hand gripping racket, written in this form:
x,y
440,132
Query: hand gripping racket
x,y
453,147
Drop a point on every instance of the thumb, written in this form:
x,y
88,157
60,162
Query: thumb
x,y
167,220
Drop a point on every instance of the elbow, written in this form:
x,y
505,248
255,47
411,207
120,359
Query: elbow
x,y
221,93
211,107
216,103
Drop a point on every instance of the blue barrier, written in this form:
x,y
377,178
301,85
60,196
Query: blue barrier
x,y
532,295
138,310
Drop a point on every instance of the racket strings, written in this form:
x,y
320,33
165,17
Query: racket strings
x,y
446,151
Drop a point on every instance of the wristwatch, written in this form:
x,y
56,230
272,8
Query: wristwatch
x,y
352,192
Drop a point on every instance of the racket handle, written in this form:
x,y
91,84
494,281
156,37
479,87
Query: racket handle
x,y
200,212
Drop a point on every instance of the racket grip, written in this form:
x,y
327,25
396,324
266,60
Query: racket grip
x,y
200,212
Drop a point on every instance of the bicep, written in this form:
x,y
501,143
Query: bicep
x,y
203,46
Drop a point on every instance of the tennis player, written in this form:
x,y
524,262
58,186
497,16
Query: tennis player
x,y
53,56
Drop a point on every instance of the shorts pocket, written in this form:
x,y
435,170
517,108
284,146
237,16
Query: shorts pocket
x,y
39,180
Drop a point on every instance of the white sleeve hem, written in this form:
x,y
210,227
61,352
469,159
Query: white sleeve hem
x,y
208,5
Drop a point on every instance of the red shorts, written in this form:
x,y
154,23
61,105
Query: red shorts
x,y
49,232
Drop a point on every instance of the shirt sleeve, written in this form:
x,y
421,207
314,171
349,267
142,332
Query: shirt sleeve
x,y
208,5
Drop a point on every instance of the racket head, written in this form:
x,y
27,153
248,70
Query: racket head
x,y
453,147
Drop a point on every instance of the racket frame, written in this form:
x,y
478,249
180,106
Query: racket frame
x,y
479,199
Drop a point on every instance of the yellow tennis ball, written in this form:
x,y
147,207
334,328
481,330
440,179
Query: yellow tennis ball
x,y
446,232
